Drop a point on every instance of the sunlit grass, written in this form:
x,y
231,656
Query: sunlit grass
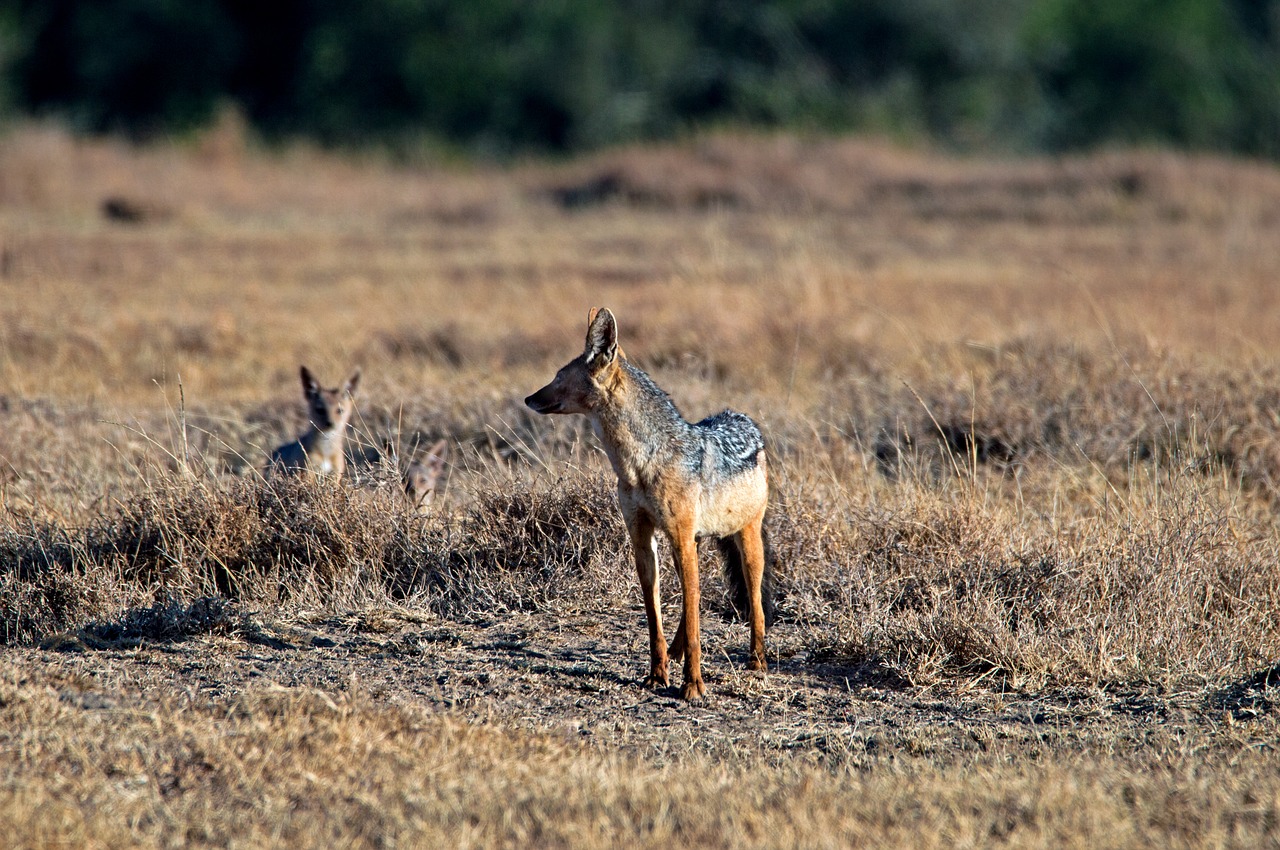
x,y
1023,420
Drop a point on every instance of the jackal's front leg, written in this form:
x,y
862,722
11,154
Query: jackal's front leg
x,y
645,548
686,556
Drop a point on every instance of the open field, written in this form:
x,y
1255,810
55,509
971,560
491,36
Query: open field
x,y
1024,420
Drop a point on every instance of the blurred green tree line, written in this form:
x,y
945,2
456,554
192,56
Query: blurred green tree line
x,y
504,76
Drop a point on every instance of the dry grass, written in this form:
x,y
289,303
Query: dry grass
x,y
289,768
1024,421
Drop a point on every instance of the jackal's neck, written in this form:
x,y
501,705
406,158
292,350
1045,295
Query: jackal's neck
x,y
638,424
324,441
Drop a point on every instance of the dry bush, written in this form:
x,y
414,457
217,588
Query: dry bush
x,y
47,585
1051,401
952,592
280,540
292,542
524,548
942,591
168,621
183,538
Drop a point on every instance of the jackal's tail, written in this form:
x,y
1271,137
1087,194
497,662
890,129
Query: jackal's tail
x,y
735,572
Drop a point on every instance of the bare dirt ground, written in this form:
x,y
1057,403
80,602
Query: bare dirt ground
x,y
579,676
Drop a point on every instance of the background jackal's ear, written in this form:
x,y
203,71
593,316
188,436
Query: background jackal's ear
x,y
310,386
602,339
437,453
352,383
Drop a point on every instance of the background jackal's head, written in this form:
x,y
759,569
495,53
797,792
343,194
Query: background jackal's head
x,y
329,408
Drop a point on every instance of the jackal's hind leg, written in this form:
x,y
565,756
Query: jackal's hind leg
x,y
752,542
678,642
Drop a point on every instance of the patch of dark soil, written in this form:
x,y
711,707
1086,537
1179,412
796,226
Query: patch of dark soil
x,y
613,185
1255,694
971,442
125,210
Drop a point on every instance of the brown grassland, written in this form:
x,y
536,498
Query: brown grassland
x,y
1024,419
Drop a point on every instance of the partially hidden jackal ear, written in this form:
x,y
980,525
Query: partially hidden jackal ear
x,y
310,386
352,383
602,338
438,452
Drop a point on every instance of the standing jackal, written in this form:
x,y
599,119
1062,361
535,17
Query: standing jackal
x,y
684,479
320,448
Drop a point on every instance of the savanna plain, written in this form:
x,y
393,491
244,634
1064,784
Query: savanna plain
x,y
1024,427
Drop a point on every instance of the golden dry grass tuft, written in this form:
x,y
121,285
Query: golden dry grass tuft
x,y
1025,442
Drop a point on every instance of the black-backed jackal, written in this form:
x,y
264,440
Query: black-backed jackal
x,y
684,479
419,476
320,450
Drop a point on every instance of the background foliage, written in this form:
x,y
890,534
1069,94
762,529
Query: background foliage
x,y
501,76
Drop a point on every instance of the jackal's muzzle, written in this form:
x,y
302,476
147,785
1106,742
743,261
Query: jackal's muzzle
x,y
543,401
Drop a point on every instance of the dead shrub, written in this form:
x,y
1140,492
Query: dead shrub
x,y
47,583
286,540
1048,399
939,592
259,541
289,541
524,548
169,620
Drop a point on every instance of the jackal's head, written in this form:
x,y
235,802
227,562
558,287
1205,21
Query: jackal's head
x,y
329,409
421,478
581,384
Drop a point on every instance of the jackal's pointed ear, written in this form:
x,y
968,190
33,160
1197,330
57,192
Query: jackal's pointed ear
x,y
438,451
352,383
602,339
434,459
310,386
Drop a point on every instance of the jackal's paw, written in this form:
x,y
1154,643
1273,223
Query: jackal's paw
x,y
757,664
693,690
658,678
